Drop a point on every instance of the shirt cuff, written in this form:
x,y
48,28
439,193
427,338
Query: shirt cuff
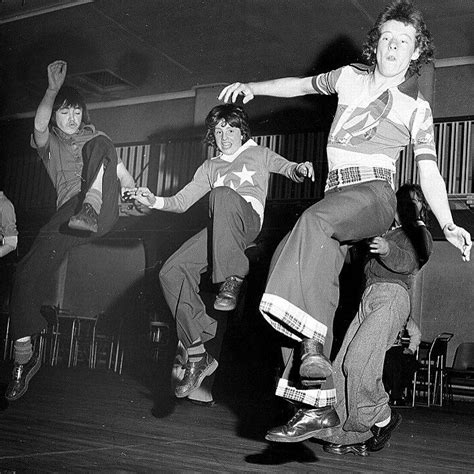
x,y
159,203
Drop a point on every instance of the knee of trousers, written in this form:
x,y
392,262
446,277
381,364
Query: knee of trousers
x,y
316,222
222,195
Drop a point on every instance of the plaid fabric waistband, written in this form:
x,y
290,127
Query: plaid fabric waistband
x,y
357,174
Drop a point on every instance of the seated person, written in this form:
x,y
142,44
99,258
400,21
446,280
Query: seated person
x,y
400,363
237,179
8,231
82,164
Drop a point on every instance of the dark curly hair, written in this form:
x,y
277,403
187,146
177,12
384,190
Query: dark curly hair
x,y
69,97
407,211
233,115
404,12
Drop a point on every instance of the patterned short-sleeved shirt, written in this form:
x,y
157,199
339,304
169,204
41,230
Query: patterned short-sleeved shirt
x,y
371,130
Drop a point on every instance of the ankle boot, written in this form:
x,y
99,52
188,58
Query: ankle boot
x,y
314,364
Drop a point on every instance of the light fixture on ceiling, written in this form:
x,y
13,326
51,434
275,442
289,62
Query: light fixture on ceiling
x,y
14,10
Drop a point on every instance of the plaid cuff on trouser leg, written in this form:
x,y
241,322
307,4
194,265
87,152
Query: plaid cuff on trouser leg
x,y
290,320
317,398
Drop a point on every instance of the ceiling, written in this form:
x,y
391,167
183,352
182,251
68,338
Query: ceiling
x,y
123,49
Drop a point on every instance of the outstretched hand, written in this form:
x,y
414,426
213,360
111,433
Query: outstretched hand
x,y
231,92
306,170
379,245
460,238
56,74
142,195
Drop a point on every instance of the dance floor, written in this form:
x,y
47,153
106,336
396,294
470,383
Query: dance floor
x,y
82,420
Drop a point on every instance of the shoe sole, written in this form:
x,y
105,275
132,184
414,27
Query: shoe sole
x,y
303,437
224,308
77,225
383,441
320,370
30,375
341,450
209,371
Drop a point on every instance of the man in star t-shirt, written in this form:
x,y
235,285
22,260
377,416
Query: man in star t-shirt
x,y
237,179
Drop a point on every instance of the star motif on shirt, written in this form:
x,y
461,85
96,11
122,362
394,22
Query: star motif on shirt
x,y
245,175
232,186
220,180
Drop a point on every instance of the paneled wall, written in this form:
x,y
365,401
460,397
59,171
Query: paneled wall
x,y
166,166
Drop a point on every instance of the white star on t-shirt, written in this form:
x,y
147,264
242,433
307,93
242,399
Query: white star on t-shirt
x,y
220,180
245,175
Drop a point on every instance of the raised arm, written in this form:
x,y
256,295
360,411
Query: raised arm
x,y
56,75
284,87
434,189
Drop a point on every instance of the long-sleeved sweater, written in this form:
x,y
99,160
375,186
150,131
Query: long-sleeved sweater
x,y
407,254
247,172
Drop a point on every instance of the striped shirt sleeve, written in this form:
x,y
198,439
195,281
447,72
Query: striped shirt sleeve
x,y
423,133
326,83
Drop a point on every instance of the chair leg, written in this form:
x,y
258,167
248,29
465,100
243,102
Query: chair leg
x,y
117,352
111,354
71,343
54,358
413,395
121,362
6,340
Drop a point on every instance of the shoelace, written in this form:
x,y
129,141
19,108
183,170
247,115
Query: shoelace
x,y
89,210
17,371
299,414
230,285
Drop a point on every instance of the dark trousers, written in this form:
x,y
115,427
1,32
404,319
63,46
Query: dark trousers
x,y
36,272
233,226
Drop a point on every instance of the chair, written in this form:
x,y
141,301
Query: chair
x,y
51,334
108,343
428,381
100,282
84,339
462,372
159,338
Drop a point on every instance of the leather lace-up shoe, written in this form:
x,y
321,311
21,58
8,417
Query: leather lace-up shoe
x,y
85,219
229,291
194,374
360,449
314,364
304,425
22,374
382,434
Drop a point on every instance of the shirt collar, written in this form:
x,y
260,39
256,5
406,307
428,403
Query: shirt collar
x,y
410,86
84,130
249,143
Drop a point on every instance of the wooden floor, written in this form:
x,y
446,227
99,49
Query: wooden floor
x,y
82,420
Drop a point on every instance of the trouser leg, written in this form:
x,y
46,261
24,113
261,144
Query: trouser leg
x,y
234,225
35,272
179,278
303,285
358,367
289,387
99,155
386,307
